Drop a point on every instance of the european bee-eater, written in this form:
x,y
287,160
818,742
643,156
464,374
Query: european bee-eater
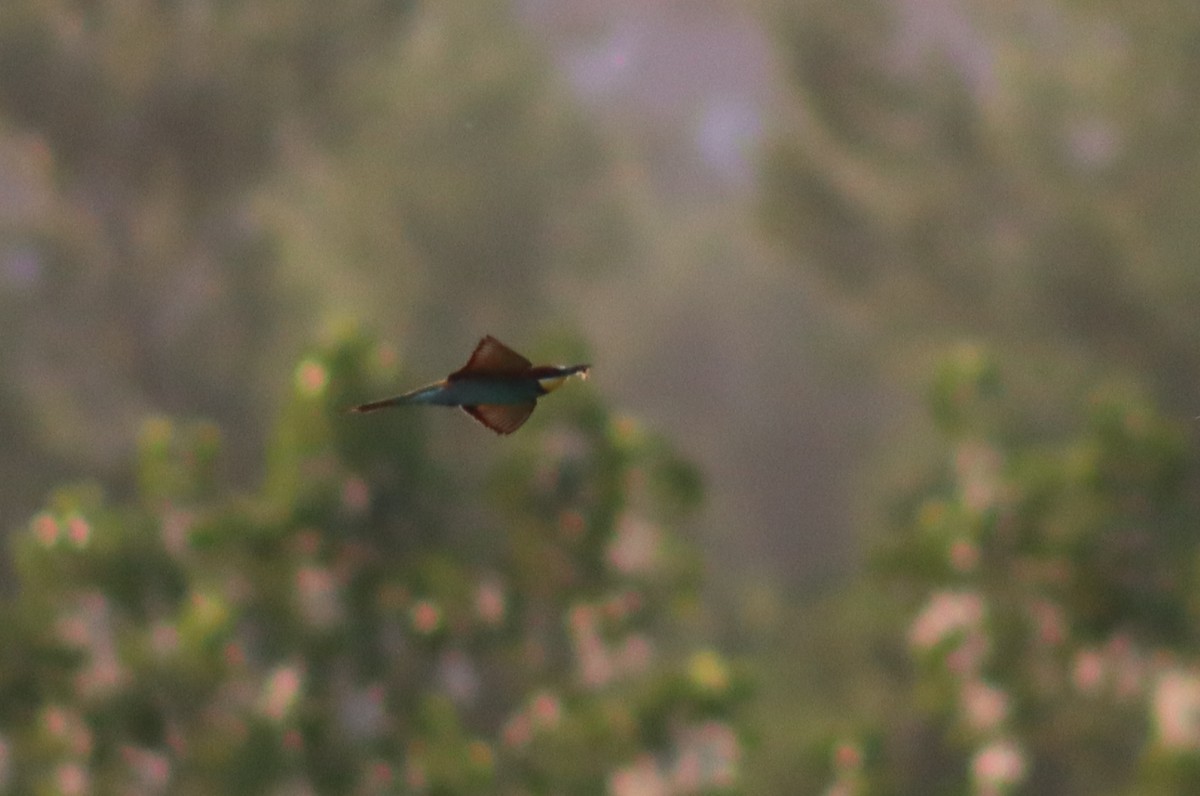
x,y
498,387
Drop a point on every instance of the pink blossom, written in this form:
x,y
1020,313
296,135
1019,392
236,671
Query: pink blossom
x,y
311,377
281,691
546,710
151,769
708,757
490,602
1051,626
317,596
1088,671
847,756
642,778
636,546
984,705
1176,710
946,613
79,530
998,766
637,653
426,617
517,731
45,528
72,779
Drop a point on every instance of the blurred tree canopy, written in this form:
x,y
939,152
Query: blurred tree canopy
x,y
351,630
1026,174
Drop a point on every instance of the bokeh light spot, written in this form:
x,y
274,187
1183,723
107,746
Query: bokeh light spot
x,y
45,528
311,378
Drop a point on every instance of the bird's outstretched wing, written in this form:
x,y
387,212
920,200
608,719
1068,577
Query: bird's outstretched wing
x,y
492,358
503,419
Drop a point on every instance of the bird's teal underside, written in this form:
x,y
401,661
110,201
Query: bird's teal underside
x,y
475,392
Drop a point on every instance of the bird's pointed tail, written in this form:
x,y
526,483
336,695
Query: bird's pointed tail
x,y
422,395
373,405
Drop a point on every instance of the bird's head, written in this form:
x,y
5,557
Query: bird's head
x,y
554,376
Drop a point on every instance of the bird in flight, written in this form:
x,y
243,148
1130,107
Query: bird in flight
x,y
498,387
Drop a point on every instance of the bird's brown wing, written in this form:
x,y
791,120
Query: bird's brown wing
x,y
493,358
502,418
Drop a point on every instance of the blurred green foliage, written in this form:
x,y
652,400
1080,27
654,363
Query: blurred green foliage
x,y
1049,591
189,190
372,621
